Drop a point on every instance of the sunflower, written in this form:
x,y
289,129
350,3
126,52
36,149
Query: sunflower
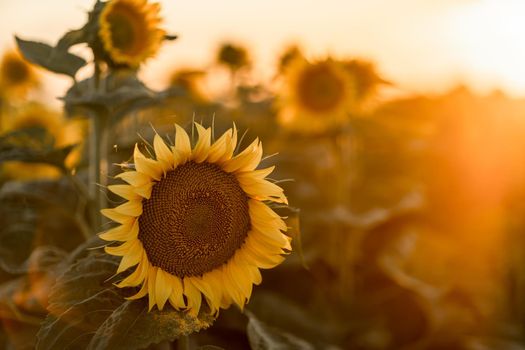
x,y
17,76
129,31
290,54
315,96
191,81
197,222
64,133
233,56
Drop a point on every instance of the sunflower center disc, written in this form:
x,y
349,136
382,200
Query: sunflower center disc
x,y
16,72
195,220
319,89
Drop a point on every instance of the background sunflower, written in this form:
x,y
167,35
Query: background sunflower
x,y
315,96
129,31
62,132
17,76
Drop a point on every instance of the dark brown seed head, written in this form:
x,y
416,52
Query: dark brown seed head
x,y
195,220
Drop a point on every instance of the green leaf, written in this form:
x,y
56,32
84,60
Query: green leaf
x,y
131,326
55,59
33,145
22,300
113,93
289,314
38,214
42,259
293,222
264,337
18,335
79,302
118,94
74,327
71,38
83,280
87,311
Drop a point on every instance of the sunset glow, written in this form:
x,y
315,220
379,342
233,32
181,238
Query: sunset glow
x,y
423,46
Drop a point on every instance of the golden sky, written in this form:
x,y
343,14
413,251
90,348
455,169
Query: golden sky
x,y
422,45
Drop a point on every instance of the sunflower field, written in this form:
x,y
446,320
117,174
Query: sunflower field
x,y
307,211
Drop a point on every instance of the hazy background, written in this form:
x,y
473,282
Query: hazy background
x,y
422,45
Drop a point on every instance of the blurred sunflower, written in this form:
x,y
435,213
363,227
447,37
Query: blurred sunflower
x,y
315,96
233,56
191,81
196,222
366,78
290,54
129,31
64,133
17,76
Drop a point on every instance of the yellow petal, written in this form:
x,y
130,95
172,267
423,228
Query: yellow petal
x,y
176,298
231,287
274,241
182,145
141,293
242,280
262,190
202,148
112,214
152,281
258,174
134,178
132,258
145,190
131,208
226,301
123,249
162,288
218,148
164,154
255,274
205,288
193,296
124,191
247,160
263,218
146,166
136,277
259,256
122,233
231,143
262,211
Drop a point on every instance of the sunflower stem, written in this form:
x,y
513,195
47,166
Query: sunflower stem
x,y
80,210
344,150
98,165
183,343
98,148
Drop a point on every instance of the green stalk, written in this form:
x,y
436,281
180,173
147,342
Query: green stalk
x,y
183,343
98,157
98,161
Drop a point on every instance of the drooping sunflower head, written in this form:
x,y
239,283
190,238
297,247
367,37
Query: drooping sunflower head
x,y
64,132
315,96
17,76
191,81
233,56
290,54
365,76
197,224
129,31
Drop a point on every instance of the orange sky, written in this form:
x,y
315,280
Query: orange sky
x,y
422,45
